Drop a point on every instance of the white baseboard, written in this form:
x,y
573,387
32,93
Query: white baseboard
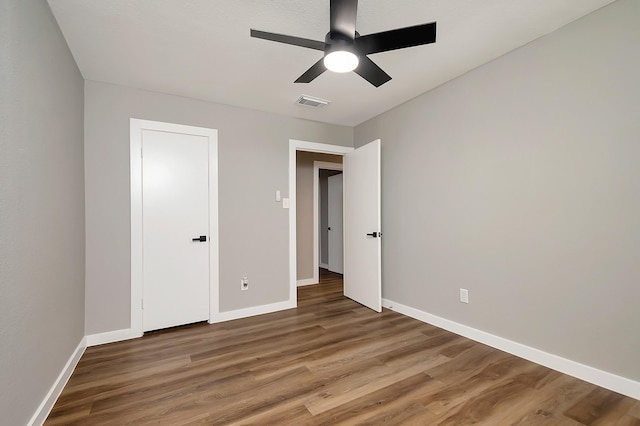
x,y
307,281
128,333
252,311
112,336
589,374
50,399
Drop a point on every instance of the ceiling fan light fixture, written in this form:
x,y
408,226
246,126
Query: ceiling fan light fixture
x,y
346,50
341,61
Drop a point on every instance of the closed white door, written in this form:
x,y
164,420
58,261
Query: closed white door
x,y
334,219
175,216
362,247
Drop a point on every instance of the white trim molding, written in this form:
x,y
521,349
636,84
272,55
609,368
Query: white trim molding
x,y
52,396
112,336
137,126
252,311
294,147
307,281
584,372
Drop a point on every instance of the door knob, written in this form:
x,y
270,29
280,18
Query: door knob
x,y
375,234
201,238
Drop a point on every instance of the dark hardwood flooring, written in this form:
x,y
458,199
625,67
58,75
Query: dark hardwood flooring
x,y
328,362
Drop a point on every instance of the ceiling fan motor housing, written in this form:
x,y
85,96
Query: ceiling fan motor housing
x,y
336,41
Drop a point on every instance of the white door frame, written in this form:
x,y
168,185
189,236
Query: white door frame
x,y
137,126
317,165
294,147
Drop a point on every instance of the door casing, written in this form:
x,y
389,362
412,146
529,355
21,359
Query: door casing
x,y
136,128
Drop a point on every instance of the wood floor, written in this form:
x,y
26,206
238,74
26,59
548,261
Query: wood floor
x,y
329,362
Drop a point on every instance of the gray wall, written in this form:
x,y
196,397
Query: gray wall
x,y
304,209
520,182
41,207
253,163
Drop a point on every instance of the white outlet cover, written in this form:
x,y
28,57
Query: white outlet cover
x,y
285,203
464,295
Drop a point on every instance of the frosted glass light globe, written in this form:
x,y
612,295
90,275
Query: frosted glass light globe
x,y
341,61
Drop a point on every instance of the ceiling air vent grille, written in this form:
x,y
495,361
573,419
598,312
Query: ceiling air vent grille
x,y
312,102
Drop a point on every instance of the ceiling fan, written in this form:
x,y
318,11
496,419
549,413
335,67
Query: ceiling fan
x,y
346,50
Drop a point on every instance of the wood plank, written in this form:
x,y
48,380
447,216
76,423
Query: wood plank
x,y
600,404
330,361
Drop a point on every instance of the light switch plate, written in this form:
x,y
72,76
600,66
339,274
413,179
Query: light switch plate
x,y
277,196
464,295
285,203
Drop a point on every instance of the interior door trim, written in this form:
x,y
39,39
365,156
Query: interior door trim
x,y
136,128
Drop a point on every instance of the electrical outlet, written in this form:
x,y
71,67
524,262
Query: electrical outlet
x,y
244,284
464,295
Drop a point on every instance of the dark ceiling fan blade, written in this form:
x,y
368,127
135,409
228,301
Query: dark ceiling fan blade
x,y
396,39
309,75
343,17
287,39
368,70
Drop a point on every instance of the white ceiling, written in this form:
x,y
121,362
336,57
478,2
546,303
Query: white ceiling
x,y
202,49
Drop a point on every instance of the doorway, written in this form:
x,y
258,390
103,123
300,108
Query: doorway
x,y
307,202
322,173
296,146
331,209
174,225
362,243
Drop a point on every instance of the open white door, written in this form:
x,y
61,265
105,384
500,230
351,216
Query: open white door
x,y
362,248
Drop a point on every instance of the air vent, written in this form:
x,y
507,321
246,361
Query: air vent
x,y
312,102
